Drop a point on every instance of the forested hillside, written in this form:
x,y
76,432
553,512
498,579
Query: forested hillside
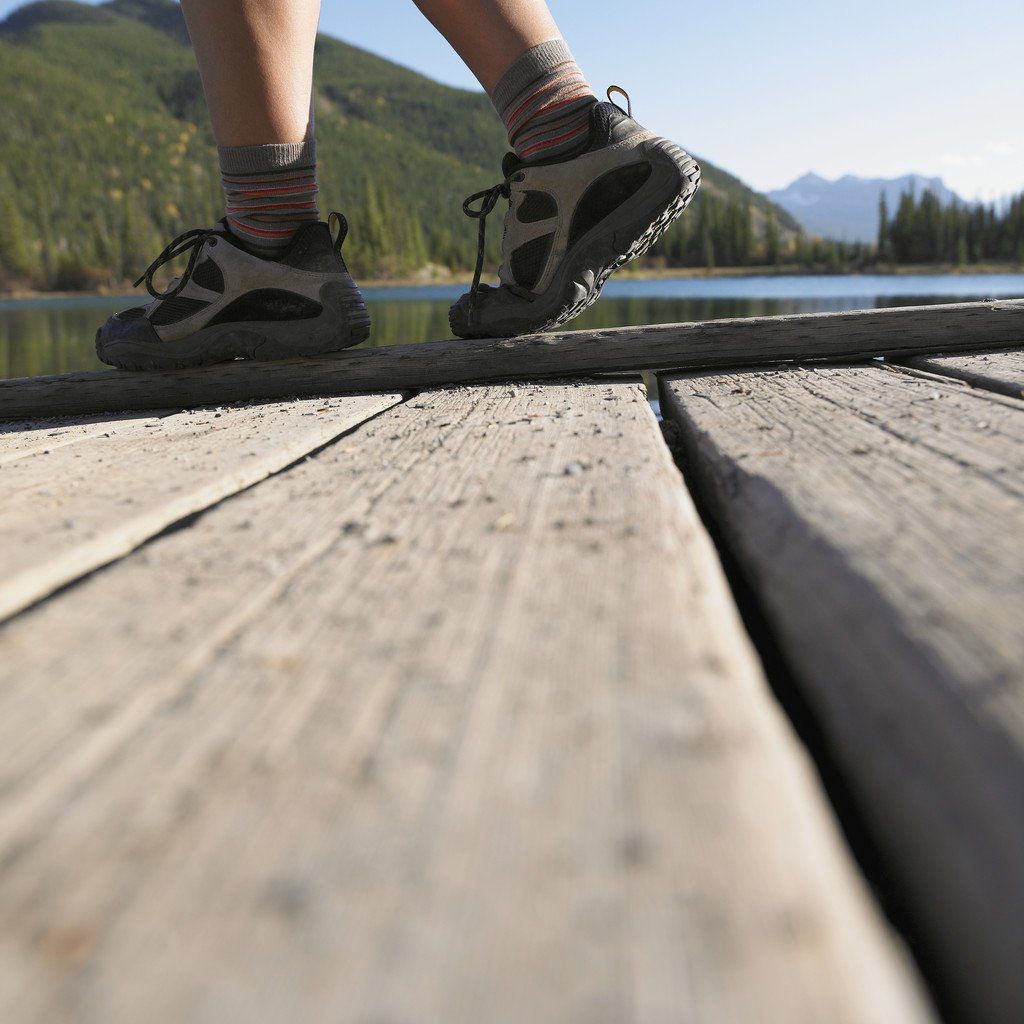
x,y
106,153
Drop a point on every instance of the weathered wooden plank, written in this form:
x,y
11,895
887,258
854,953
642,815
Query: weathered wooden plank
x,y
23,438
85,504
879,518
454,722
1002,372
715,343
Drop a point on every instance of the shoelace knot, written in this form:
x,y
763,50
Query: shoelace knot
x,y
193,240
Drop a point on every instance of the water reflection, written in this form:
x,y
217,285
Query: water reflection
x,y
56,335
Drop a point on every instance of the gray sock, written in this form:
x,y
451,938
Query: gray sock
x,y
270,192
544,101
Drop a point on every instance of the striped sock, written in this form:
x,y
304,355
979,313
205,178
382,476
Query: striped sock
x,y
270,192
544,101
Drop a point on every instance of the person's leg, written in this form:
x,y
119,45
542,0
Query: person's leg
x,y
256,61
490,34
268,282
518,55
589,189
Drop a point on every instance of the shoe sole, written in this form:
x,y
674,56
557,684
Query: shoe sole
x,y
342,323
594,259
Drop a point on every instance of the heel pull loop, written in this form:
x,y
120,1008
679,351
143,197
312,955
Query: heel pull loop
x,y
621,92
342,222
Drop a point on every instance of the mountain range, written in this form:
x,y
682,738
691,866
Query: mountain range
x,y
847,208
106,152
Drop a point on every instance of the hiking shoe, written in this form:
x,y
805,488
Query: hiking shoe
x,y
571,224
229,303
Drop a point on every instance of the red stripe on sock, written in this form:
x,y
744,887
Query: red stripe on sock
x,y
264,232
272,206
513,136
554,142
289,191
539,92
304,176
581,92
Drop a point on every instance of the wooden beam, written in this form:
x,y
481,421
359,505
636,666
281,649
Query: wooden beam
x,y
829,337
879,517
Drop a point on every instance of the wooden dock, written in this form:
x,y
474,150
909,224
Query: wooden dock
x,y
435,705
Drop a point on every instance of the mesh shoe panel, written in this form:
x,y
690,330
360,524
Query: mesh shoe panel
x,y
528,261
170,311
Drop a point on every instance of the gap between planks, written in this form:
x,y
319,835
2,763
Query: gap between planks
x,y
878,518
1001,372
93,500
455,721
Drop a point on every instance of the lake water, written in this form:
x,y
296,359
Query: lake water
x,y
40,336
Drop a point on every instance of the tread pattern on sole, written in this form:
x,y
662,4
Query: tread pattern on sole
x,y
691,177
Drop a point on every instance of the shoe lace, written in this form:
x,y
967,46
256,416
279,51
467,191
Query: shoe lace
x,y
487,199
193,240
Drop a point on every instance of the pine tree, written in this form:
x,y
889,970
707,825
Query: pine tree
x,y
884,243
707,246
804,252
418,243
831,256
373,243
903,230
15,256
772,245
745,247
928,229
44,222
961,250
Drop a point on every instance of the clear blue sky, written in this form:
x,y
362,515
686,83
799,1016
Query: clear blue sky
x,y
770,91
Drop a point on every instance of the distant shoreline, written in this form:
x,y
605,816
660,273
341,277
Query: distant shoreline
x,y
794,270
647,273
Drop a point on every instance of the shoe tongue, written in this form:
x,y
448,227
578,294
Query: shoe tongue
x,y
510,164
223,229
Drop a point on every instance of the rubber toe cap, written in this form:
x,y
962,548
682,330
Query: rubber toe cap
x,y
122,329
460,316
491,313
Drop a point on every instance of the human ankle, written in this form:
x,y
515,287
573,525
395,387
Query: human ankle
x,y
544,102
270,192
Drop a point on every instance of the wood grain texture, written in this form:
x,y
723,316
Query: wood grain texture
x,y
1002,372
84,504
715,343
879,518
20,439
453,722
